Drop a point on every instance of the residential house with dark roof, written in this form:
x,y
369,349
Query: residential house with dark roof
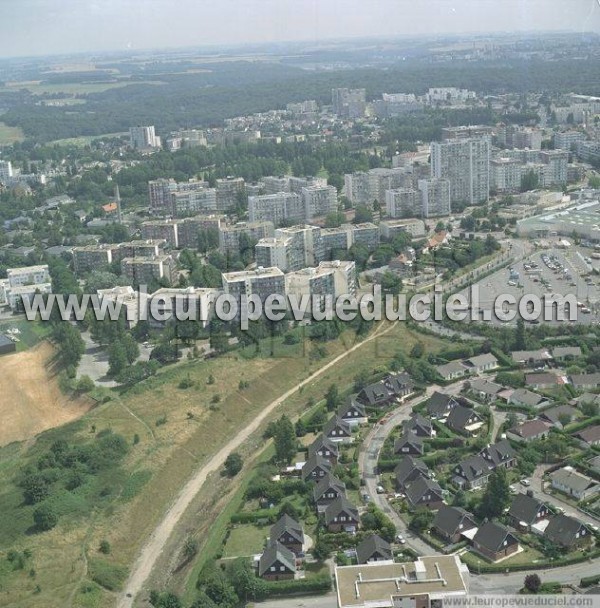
x,y
485,390
544,380
594,463
353,412
328,489
341,516
589,436
585,382
409,444
527,398
324,447
277,563
419,426
338,430
315,468
494,541
389,390
464,420
408,470
440,404
555,414
525,511
472,472
569,481
500,454
568,532
289,533
530,430
374,549
566,353
532,358
481,363
424,493
451,370
450,523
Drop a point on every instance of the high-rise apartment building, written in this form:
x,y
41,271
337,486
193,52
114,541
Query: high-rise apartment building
x,y
436,194
349,103
403,202
277,208
143,138
230,237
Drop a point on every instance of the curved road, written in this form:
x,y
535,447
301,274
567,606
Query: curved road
x,y
152,549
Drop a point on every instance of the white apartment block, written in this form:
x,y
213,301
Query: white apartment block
x,y
274,252
436,196
277,208
143,138
28,275
23,283
319,200
6,171
392,228
505,175
565,140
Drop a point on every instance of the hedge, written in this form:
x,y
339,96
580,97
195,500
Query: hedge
x,y
317,584
588,581
252,517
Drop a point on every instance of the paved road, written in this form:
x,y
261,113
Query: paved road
x,y
151,551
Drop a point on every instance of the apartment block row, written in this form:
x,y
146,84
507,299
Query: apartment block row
x,y
25,282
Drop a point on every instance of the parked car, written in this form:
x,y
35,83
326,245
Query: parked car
x,y
525,482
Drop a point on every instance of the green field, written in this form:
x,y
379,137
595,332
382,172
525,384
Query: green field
x,y
85,141
245,540
30,332
9,135
43,88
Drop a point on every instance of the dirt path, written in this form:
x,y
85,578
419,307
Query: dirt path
x,y
143,566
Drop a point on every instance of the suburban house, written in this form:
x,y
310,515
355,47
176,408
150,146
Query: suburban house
x,y
450,523
387,391
289,533
587,398
324,447
522,396
544,380
585,382
277,563
555,414
439,405
485,390
341,516
494,541
338,430
374,549
353,412
566,353
419,426
464,421
408,470
589,436
500,454
526,510
424,493
452,370
471,473
481,363
575,484
568,532
594,464
531,358
327,490
409,444
530,430
315,468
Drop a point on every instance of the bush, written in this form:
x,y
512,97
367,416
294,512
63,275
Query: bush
x,y
233,464
589,581
317,584
107,575
105,547
45,518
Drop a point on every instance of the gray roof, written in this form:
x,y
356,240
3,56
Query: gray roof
x,y
562,530
459,416
585,379
566,351
337,506
492,535
483,385
409,440
440,403
417,421
451,368
286,524
526,397
352,403
313,462
421,486
322,441
481,360
449,520
328,482
276,552
371,545
525,508
336,423
554,413
526,355
407,466
570,478
474,467
499,452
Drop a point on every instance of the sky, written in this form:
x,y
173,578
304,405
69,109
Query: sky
x,y
46,27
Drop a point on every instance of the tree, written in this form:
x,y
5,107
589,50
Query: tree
x,y
332,398
285,440
45,518
391,283
532,583
421,520
246,584
233,464
105,547
117,359
362,215
85,384
520,336
496,496
417,351
529,181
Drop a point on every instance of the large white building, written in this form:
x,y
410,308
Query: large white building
x,y
319,200
24,283
277,208
6,171
143,138
466,164
436,197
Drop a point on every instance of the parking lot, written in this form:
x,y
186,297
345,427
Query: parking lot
x,y
556,270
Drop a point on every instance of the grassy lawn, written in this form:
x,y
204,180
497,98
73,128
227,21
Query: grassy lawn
x,y
526,556
9,135
245,540
30,332
81,142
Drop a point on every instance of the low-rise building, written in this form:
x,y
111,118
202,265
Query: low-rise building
x,y
572,483
494,541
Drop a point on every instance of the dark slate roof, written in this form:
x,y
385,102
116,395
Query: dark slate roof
x,y
337,506
524,508
322,441
439,403
562,530
421,486
499,452
409,440
448,519
327,482
474,467
352,403
407,465
553,414
275,552
458,417
336,422
492,536
286,524
386,389
370,545
313,462
417,421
